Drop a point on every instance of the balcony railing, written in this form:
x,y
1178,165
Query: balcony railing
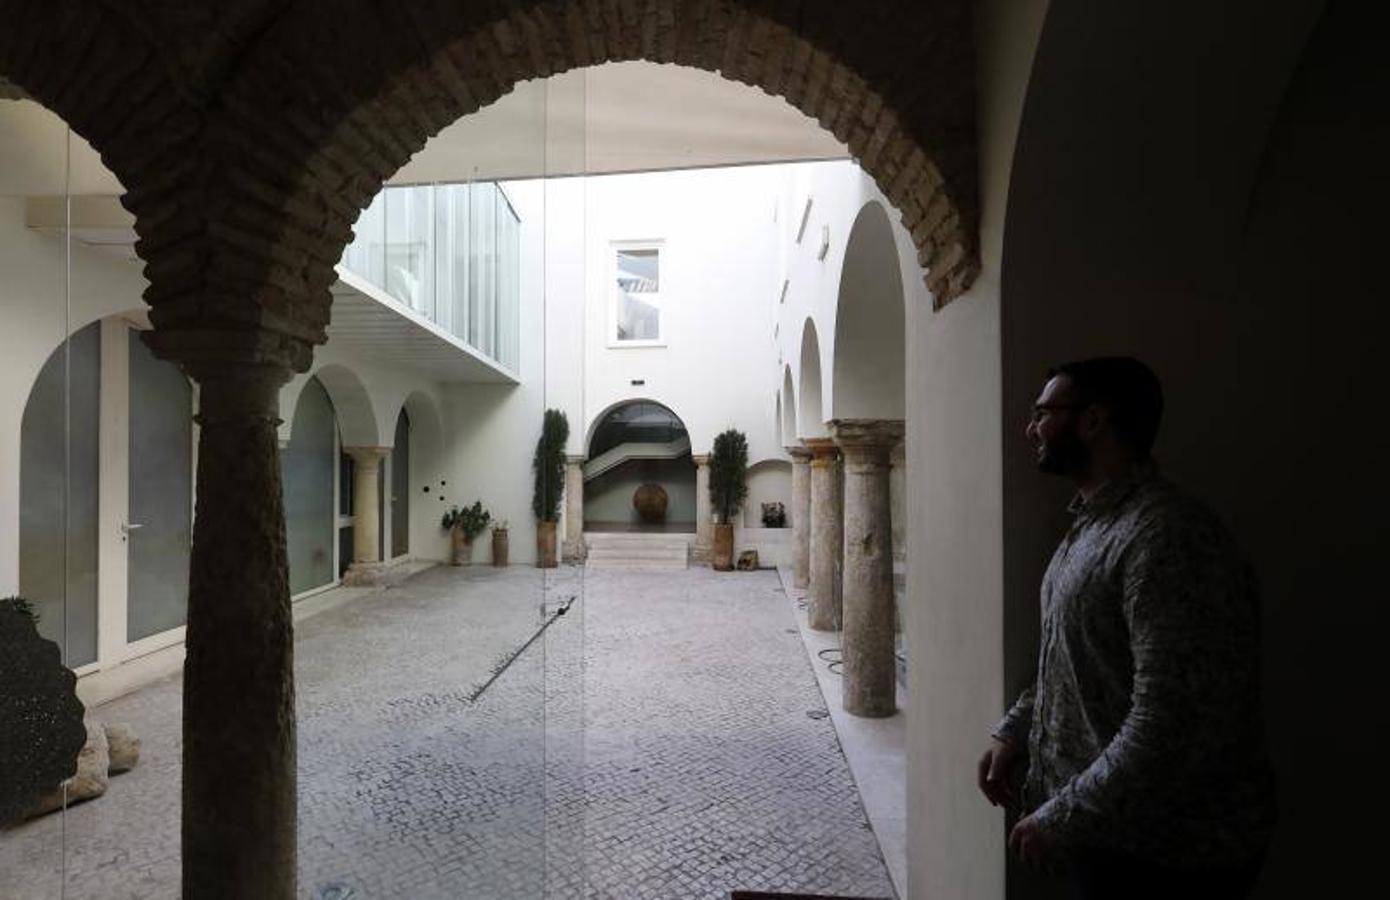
x,y
451,252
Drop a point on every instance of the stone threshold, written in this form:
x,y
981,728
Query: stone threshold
x,y
876,749
141,671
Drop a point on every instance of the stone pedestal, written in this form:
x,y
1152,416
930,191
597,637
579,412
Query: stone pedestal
x,y
823,606
801,516
572,550
704,514
870,670
366,565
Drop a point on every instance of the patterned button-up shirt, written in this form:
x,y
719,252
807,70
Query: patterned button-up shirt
x,y
1143,729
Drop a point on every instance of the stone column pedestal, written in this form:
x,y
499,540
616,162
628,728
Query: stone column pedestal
x,y
801,516
870,666
572,549
366,565
704,514
823,606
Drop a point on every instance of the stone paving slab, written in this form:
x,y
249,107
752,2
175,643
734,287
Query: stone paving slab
x,y
654,743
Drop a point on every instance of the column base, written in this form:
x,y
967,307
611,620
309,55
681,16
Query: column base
x,y
701,552
574,552
368,574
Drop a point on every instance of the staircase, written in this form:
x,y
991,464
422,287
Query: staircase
x,y
620,454
611,550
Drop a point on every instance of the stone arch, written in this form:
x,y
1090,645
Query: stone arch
x,y
870,349
319,106
357,422
769,480
787,408
810,411
616,405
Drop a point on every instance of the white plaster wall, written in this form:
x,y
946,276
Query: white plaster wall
x,y
718,280
491,430
769,481
35,317
955,510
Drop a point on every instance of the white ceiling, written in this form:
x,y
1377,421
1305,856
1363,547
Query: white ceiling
x,y
368,322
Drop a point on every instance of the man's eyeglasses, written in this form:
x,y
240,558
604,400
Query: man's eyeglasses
x,y
1042,409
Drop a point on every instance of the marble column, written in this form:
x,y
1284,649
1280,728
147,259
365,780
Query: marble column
x,y
704,514
366,515
801,516
827,536
238,775
572,550
870,666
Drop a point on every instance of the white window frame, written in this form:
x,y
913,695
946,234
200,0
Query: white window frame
x,y
657,299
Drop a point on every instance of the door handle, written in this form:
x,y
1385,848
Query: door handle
x,y
128,527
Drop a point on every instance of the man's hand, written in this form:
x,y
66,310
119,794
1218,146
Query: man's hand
x,y
995,771
1031,844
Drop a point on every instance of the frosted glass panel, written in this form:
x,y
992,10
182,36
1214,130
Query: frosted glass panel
x,y
308,467
400,488
58,472
409,232
483,267
161,493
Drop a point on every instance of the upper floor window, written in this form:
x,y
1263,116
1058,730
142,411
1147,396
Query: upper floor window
x,y
637,293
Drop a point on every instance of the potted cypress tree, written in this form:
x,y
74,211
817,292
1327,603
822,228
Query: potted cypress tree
x,y
728,486
549,466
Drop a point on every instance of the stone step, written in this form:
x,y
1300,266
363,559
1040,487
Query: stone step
x,y
636,551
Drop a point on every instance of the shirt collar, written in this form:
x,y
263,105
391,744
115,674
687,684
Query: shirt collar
x,y
1113,492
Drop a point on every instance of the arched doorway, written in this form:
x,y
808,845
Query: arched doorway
x,y
639,447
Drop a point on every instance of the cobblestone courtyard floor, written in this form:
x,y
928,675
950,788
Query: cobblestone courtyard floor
x,y
655,742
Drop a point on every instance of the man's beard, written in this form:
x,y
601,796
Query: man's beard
x,y
1065,454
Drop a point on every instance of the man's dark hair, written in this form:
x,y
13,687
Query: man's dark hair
x,y
1129,391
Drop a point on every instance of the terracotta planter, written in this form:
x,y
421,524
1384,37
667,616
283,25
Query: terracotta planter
x,y
501,546
722,554
545,545
461,547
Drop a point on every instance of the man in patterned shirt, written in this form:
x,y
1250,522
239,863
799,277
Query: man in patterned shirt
x,y
1146,768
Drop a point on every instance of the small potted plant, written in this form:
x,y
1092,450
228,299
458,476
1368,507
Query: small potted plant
x,y
549,466
501,544
463,525
774,515
728,486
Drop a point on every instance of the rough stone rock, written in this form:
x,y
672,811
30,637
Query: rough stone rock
x,y
748,561
123,747
93,764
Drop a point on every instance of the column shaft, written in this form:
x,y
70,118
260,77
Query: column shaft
x,y
801,516
823,607
366,513
573,550
704,514
870,665
239,797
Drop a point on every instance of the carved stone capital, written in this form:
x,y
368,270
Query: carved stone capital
x,y
867,441
823,451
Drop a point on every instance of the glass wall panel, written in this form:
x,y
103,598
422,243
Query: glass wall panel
x,y
160,529
308,468
483,267
410,269
366,255
400,488
58,495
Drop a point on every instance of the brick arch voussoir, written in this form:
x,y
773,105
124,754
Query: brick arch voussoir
x,y
332,102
